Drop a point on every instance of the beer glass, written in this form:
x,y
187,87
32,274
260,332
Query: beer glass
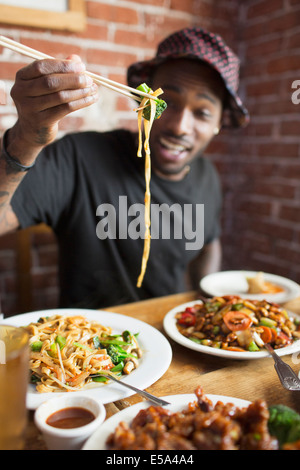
x,y
14,366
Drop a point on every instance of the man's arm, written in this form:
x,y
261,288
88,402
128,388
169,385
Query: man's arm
x,y
44,92
208,261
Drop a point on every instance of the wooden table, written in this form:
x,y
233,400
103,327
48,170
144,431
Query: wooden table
x,y
247,379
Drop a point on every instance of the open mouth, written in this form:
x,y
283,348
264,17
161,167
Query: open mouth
x,y
171,150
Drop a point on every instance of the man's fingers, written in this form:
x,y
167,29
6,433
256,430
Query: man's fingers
x,y
48,84
42,67
41,103
56,113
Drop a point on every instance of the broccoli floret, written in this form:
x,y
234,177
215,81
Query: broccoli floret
x,y
160,107
284,424
116,353
160,104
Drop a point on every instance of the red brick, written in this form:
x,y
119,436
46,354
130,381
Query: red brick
x,y
53,48
265,7
8,70
134,38
262,88
95,32
263,48
287,252
112,58
290,127
112,13
286,63
278,149
273,189
254,242
252,207
291,212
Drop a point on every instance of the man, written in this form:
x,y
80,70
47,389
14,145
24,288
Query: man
x,y
89,187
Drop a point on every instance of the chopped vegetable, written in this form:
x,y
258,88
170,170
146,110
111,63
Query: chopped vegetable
x,y
160,104
253,346
268,322
36,345
187,318
268,335
284,424
236,324
237,320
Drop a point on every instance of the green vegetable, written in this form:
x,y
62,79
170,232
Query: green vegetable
x,y
267,322
237,306
196,340
118,368
127,336
284,424
82,346
253,346
216,329
61,341
116,353
99,378
36,346
97,342
144,87
160,104
34,379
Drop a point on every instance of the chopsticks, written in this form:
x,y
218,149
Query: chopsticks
x,y
111,84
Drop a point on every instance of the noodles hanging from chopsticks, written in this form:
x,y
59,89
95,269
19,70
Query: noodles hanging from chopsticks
x,y
147,130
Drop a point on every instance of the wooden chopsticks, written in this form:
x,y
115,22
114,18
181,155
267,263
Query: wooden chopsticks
x,y
111,84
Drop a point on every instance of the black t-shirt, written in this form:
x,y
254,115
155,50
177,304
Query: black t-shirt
x,y
89,187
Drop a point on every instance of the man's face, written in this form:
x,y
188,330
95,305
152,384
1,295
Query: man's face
x,y
194,94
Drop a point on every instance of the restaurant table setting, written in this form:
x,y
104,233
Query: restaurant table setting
x,y
171,368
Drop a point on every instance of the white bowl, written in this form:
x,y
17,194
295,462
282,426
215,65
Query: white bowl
x,y
67,439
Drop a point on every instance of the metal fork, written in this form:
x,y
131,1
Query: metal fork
x,y
152,398
287,376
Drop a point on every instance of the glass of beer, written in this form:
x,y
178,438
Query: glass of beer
x,y
14,366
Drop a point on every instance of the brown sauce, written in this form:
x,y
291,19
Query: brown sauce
x,y
72,417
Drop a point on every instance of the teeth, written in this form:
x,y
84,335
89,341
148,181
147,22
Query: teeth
x,y
171,145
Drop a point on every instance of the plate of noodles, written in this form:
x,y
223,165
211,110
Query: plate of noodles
x,y
250,285
70,347
234,328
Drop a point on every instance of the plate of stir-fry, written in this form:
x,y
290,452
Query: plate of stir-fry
x,y
70,349
234,327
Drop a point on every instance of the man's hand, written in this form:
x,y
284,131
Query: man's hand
x,y
44,92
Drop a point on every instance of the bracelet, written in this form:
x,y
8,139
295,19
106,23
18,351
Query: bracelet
x,y
12,162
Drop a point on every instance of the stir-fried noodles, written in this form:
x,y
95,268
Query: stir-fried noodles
x,y
145,103
70,352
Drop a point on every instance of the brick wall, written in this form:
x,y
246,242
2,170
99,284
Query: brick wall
x,y
261,173
259,166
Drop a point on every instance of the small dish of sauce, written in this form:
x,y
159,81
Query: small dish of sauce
x,y
71,417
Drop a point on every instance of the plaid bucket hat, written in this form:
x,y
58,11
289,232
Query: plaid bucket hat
x,y
198,44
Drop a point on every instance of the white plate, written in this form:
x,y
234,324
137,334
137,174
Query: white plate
x,y
170,327
235,283
153,364
177,403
